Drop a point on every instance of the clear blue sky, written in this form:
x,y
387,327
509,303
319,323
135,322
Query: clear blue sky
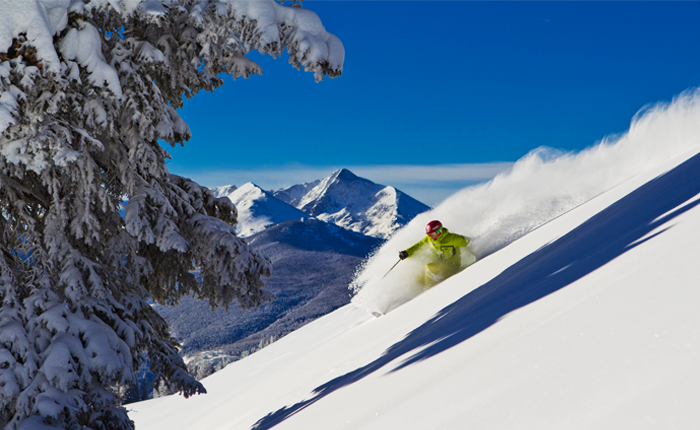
x,y
434,83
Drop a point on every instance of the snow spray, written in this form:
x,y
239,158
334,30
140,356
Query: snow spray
x,y
539,187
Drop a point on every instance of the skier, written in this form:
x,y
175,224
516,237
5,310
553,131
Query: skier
x,y
447,249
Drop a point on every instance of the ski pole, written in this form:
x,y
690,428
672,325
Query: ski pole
x,y
392,268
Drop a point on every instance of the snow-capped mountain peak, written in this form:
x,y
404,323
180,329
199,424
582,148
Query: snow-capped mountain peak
x,y
224,191
336,192
295,193
354,203
257,208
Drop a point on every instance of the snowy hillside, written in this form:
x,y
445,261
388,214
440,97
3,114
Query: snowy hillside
x,y
257,208
313,263
586,320
354,203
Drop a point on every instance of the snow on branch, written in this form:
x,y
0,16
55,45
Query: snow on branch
x,y
85,47
27,29
88,89
39,20
268,27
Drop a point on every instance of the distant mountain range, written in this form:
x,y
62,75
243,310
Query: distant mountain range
x,y
316,235
342,198
313,263
257,208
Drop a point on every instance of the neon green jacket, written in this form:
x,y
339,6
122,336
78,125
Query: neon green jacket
x,y
446,248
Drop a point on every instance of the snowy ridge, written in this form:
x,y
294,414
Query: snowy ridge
x,y
355,203
294,194
312,234
257,208
343,199
224,191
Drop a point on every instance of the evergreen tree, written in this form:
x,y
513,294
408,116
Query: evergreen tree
x,y
87,90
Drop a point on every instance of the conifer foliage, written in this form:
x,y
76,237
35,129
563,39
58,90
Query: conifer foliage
x,y
87,90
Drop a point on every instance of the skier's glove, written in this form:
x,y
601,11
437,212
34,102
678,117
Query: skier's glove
x,y
403,255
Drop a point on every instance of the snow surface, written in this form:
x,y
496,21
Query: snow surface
x,y
589,321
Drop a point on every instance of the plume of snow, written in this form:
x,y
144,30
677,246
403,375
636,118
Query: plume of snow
x,y
541,186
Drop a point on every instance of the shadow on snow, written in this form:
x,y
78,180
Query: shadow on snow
x,y
619,228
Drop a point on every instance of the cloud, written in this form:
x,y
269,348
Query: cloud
x,y
429,184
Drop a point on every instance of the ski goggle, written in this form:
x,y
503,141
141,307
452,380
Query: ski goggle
x,y
436,233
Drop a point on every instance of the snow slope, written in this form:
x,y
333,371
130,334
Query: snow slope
x,y
541,186
589,321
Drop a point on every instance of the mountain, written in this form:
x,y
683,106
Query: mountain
x,y
257,208
313,263
314,260
295,193
354,203
224,191
589,321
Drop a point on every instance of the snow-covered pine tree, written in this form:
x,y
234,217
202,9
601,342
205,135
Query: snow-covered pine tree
x,y
87,89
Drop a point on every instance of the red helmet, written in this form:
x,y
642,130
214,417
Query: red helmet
x,y
434,228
